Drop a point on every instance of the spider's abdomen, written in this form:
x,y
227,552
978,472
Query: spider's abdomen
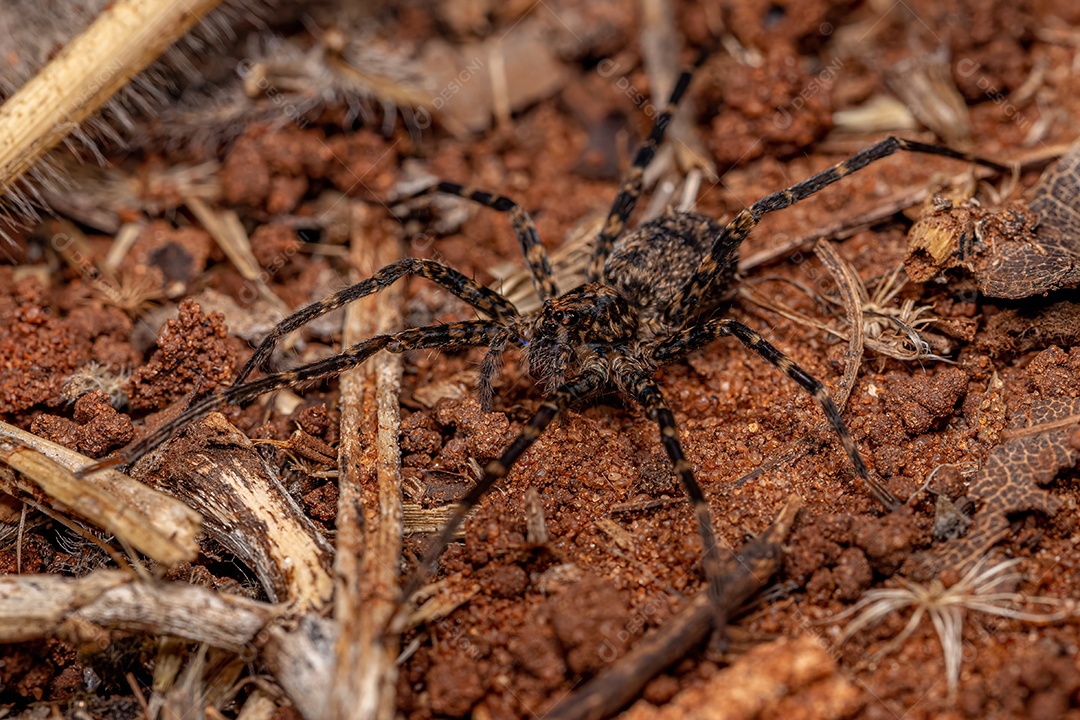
x,y
649,265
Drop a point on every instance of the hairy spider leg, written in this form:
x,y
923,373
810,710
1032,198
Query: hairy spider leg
x,y
592,378
532,247
640,386
470,333
726,244
689,339
486,301
632,183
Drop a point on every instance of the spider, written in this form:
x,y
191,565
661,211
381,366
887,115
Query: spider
x,y
649,299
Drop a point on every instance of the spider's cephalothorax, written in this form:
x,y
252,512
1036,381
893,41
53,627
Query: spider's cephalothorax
x,y
641,281
569,326
649,299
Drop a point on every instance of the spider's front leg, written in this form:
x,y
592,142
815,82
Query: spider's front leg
x,y
685,341
721,257
487,302
532,248
472,333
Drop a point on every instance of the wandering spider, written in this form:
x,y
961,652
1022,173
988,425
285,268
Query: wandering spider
x,y
648,300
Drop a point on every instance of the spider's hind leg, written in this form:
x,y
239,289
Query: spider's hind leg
x,y
685,341
632,183
724,247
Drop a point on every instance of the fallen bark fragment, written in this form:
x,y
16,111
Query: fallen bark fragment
x,y
1020,250
84,609
1037,446
216,469
149,521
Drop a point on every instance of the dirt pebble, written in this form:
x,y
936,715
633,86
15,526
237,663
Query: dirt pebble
x,y
192,354
38,352
96,430
591,621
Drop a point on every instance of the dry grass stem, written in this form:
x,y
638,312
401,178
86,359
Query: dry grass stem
x,y
369,520
119,44
85,609
981,589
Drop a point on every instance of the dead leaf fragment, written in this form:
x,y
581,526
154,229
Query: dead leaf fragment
x,y
1023,249
1034,450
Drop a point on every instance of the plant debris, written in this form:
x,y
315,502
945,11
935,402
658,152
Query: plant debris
x,y
1037,444
1020,250
254,186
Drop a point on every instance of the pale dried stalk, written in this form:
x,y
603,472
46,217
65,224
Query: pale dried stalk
x,y
228,232
119,44
84,609
153,523
367,558
301,657
419,520
847,282
925,83
258,706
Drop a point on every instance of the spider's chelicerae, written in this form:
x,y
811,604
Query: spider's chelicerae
x,y
647,301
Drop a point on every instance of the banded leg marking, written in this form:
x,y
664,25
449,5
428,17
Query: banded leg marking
x,y
643,389
464,334
532,247
584,385
690,339
726,245
486,301
631,186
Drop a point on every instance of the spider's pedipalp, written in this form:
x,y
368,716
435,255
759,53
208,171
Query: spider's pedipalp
x,y
490,367
486,301
567,326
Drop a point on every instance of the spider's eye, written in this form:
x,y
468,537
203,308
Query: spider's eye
x,y
557,316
